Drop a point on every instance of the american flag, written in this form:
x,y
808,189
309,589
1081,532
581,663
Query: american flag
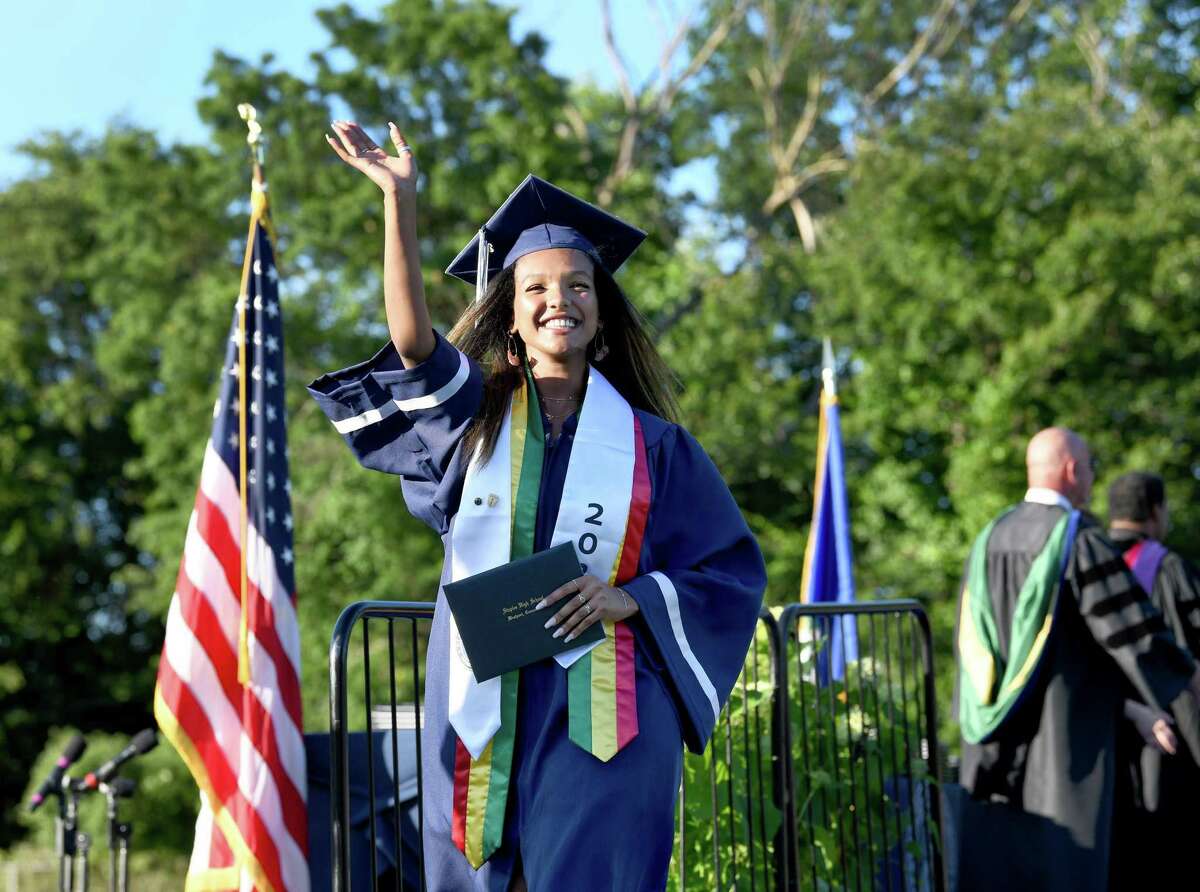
x,y
228,692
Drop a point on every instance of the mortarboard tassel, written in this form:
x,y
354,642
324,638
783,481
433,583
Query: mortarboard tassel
x,y
481,265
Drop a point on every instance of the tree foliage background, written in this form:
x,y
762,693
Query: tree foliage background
x,y
991,207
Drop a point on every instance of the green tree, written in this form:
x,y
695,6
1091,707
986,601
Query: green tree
x,y
95,248
1005,263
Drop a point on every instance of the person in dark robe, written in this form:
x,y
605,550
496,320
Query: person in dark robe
x,y
1159,801
545,417
1052,628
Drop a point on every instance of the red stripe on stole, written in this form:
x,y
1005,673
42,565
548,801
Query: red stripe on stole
x,y
462,782
192,719
627,718
257,722
211,524
639,508
627,567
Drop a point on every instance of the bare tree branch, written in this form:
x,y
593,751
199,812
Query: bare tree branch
x,y
804,224
668,53
700,59
614,56
788,185
1089,39
805,125
644,107
1018,12
912,57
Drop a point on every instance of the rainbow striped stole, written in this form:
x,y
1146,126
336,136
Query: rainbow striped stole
x,y
601,689
481,785
602,696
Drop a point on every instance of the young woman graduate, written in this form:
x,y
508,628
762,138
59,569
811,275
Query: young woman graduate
x,y
545,418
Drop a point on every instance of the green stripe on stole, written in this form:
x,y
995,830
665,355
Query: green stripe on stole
x,y
579,699
525,505
989,686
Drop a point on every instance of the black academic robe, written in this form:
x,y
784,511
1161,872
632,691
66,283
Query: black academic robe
x,y
1158,797
1041,793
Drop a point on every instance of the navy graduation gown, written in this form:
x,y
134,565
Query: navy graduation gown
x,y
572,820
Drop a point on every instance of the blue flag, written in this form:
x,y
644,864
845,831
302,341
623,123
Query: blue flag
x,y
828,559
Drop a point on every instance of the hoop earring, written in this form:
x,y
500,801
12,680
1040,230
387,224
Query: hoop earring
x,y
514,356
599,346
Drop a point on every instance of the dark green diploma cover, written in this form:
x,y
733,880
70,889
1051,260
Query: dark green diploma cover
x,y
494,611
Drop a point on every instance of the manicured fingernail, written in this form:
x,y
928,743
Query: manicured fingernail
x,y
540,605
558,633
569,637
549,623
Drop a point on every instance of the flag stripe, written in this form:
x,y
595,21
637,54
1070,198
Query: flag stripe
x,y
168,716
220,487
216,534
185,708
198,615
254,782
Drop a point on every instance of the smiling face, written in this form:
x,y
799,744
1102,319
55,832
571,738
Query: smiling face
x,y
555,308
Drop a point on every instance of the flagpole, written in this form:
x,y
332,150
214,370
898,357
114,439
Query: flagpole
x,y
828,372
258,201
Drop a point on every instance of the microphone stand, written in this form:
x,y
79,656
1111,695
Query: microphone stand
x,y
73,843
64,834
118,844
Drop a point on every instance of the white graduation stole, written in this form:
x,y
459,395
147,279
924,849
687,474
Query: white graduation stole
x,y
593,514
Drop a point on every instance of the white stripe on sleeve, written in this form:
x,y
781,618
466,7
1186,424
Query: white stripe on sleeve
x,y
428,401
671,599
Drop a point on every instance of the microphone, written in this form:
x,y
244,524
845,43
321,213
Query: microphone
x,y
142,742
70,754
120,787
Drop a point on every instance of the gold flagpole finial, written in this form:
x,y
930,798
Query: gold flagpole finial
x,y
828,369
257,141
254,134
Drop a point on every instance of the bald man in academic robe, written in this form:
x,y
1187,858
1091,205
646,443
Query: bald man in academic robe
x,y
1052,628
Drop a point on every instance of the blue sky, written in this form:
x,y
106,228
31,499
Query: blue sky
x,y
77,65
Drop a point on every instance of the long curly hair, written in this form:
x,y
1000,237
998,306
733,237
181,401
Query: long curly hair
x,y
633,365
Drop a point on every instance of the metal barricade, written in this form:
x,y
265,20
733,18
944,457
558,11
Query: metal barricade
x,y
810,781
861,806
729,825
407,651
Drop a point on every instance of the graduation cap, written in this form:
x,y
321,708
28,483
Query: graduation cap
x,y
539,215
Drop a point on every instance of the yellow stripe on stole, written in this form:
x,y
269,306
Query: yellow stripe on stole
x,y
477,797
976,659
604,695
517,426
1031,660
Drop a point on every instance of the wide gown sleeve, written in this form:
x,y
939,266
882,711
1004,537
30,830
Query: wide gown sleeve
x,y
1122,620
703,589
408,421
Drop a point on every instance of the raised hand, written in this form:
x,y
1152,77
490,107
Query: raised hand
x,y
389,173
